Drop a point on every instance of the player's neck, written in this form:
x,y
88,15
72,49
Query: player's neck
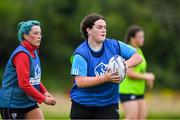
x,y
95,46
134,45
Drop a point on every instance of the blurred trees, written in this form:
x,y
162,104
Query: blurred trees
x,y
60,26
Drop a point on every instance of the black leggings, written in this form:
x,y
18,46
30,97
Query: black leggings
x,y
79,111
14,114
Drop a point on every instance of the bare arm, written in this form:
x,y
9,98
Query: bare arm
x,y
149,77
83,82
135,75
133,61
89,81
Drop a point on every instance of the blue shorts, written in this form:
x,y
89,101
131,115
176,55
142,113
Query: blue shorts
x,y
129,97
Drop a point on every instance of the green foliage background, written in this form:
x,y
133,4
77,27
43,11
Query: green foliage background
x,y
60,25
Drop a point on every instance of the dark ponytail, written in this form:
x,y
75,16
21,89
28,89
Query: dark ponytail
x,y
131,33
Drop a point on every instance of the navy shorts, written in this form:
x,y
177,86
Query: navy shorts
x,y
79,111
129,97
17,113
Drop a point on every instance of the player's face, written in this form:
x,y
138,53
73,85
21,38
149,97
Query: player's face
x,y
139,38
34,36
98,31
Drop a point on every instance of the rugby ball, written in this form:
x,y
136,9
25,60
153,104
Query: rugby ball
x,y
116,64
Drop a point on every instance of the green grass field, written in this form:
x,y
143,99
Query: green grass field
x,y
168,116
160,115
163,105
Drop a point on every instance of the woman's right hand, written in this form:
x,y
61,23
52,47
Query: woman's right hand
x,y
112,77
50,101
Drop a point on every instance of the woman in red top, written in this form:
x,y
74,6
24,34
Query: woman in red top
x,y
29,34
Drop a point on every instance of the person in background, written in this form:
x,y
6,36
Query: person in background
x,y
22,88
133,87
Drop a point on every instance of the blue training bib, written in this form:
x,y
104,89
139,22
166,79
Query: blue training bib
x,y
11,95
97,62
